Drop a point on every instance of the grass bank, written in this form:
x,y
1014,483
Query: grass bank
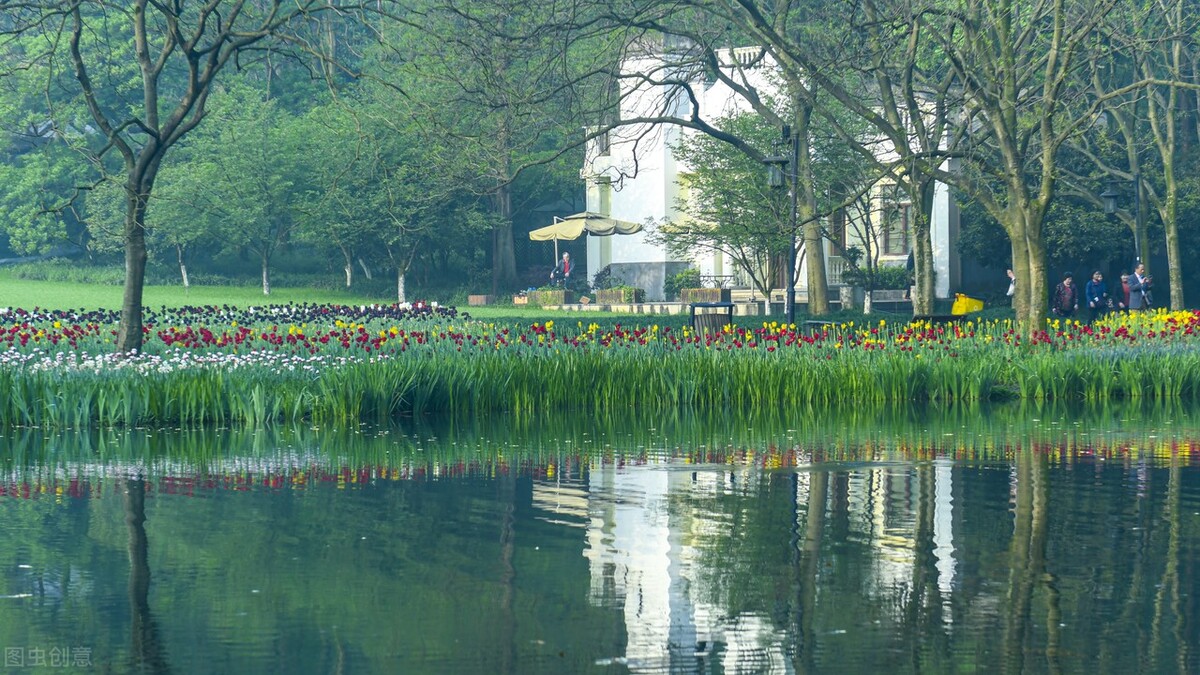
x,y
344,365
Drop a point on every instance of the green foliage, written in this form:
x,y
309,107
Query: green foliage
x,y
892,277
879,278
688,278
603,279
38,184
500,112
69,272
1078,237
728,205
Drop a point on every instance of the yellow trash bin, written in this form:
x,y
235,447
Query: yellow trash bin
x,y
965,304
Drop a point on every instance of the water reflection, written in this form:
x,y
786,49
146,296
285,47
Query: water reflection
x,y
147,649
1010,539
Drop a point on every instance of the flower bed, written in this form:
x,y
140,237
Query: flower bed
x,y
345,365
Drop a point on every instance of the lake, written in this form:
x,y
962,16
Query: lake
x,y
965,539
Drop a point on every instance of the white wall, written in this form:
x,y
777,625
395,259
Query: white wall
x,y
644,172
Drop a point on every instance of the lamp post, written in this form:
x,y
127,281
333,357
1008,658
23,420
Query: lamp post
x,y
1110,196
779,168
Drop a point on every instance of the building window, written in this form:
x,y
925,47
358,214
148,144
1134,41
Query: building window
x,y
602,145
837,229
895,228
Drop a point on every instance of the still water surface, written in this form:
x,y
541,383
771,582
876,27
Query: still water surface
x,y
968,540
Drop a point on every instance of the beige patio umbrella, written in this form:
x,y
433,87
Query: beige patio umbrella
x,y
572,227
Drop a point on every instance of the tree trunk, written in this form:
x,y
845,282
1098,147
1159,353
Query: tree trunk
x,y
1031,298
922,244
1171,229
266,274
1020,268
349,266
504,261
366,270
129,338
400,285
183,273
1039,289
818,282
1140,227
1166,138
1170,218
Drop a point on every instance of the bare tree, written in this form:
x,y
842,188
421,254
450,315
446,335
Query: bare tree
x,y
1153,44
175,52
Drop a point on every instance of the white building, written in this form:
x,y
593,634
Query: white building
x,y
633,174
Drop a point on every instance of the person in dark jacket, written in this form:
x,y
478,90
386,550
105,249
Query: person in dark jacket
x,y
1066,297
1095,292
563,270
1140,284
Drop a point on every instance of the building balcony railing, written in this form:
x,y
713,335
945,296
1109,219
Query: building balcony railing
x,y
717,280
835,267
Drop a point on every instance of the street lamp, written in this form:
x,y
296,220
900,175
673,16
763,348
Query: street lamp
x,y
779,168
1110,196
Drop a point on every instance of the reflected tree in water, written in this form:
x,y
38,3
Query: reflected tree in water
x,y
148,653
806,572
922,616
1027,558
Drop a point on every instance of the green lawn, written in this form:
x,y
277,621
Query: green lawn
x,y
64,295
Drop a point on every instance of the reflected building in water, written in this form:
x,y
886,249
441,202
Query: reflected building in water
x,y
648,526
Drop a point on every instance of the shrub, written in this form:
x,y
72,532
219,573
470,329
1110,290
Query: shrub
x,y
688,278
882,278
70,272
603,279
891,278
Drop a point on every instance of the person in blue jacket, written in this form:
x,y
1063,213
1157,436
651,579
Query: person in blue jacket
x,y
1095,293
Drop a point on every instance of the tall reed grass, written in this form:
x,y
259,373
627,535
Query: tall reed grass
x,y
347,372
583,382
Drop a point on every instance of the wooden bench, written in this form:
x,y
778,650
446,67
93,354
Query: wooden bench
x,y
711,322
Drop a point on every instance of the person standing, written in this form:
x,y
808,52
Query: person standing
x,y
1066,297
1140,296
1012,283
1123,301
1096,294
